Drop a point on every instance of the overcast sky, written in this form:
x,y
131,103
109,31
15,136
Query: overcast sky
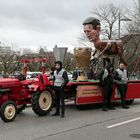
x,y
31,23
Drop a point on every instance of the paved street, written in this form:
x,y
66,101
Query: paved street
x,y
91,124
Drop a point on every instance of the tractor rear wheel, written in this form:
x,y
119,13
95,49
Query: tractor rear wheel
x,y
42,102
8,111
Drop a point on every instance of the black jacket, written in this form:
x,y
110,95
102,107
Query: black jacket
x,y
108,80
117,77
66,79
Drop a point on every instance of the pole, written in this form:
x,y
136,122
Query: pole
x,y
119,23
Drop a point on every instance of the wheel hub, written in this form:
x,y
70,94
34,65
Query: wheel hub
x,y
10,111
45,100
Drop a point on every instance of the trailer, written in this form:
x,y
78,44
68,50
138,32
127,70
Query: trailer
x,y
84,91
90,92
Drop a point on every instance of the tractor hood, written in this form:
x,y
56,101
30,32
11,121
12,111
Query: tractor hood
x,y
8,82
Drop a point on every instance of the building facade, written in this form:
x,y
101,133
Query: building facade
x,y
5,50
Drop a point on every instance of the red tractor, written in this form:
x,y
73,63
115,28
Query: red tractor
x,y
15,95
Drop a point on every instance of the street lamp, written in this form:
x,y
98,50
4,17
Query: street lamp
x,y
119,23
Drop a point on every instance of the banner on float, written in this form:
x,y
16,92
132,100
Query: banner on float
x,y
88,91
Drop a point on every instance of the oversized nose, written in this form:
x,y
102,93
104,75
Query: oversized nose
x,y
87,34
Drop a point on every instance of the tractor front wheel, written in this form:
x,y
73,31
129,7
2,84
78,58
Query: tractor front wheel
x,y
42,102
8,111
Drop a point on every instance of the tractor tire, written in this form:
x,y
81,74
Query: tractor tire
x,y
129,102
42,102
8,111
20,108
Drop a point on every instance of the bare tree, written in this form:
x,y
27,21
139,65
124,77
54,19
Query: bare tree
x,y
133,50
134,25
42,49
9,63
27,51
108,15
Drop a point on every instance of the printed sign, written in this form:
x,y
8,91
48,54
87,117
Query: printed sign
x,y
88,91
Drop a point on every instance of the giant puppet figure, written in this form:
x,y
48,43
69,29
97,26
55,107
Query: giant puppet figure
x,y
107,48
